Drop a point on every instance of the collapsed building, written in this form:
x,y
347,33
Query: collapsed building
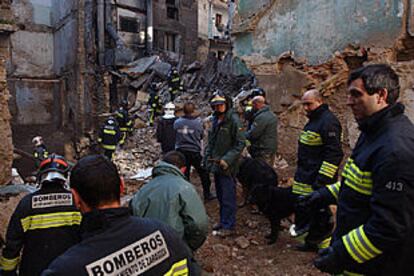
x,y
292,46
62,53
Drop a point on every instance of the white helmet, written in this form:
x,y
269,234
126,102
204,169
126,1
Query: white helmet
x,y
169,111
37,141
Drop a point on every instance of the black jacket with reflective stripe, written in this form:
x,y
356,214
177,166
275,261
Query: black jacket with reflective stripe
x,y
115,243
320,141
375,217
44,224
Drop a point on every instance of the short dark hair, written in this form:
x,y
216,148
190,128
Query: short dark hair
x,y
376,77
189,108
96,179
175,158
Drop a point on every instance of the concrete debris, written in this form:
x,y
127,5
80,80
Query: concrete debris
x,y
222,250
252,224
143,174
16,178
139,66
242,242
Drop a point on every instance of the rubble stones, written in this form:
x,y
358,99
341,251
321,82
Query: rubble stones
x,y
221,249
242,242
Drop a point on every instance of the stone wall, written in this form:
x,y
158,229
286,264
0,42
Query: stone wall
x,y
6,148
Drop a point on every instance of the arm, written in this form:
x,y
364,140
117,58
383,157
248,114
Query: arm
x,y
331,154
256,129
14,243
239,142
194,217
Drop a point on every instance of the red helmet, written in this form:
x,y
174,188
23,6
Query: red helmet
x,y
53,168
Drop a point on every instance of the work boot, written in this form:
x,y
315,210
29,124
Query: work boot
x,y
307,247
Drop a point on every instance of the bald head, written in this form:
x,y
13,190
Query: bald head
x,y
258,102
311,100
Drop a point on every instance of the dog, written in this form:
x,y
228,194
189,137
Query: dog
x,y
259,182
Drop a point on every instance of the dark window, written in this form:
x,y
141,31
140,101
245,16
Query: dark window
x,y
170,2
219,18
128,24
169,42
172,9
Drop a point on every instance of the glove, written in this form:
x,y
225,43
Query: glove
x,y
328,261
309,201
223,165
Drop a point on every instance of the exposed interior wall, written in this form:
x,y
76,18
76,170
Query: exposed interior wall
x,y
290,57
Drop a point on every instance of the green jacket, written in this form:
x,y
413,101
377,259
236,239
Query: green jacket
x,y
174,201
263,133
226,141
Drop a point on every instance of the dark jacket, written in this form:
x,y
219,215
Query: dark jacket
x,y
263,133
375,217
174,201
189,133
226,141
166,134
319,152
109,136
114,243
44,224
124,120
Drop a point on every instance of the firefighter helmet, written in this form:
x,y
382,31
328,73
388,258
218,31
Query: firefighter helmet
x,y
169,110
258,92
37,141
53,168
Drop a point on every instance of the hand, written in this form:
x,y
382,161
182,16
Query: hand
x,y
328,261
309,201
223,165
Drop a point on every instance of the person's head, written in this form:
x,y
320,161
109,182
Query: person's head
x,y
372,88
169,110
95,183
53,169
189,108
258,102
175,158
111,121
258,92
37,141
218,103
311,100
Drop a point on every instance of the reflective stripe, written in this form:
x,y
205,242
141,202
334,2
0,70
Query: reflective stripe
x,y
359,246
328,169
175,79
349,273
109,147
310,138
325,243
51,220
9,264
109,131
178,269
356,179
124,129
334,189
301,188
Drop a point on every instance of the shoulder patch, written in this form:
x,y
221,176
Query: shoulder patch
x,y
133,259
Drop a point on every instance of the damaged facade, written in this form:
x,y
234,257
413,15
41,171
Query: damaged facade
x,y
296,45
214,21
6,149
62,54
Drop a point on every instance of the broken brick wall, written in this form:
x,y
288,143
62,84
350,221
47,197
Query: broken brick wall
x,y
6,148
293,46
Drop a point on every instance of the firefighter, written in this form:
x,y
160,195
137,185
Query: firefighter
x,y
175,83
319,155
154,104
165,129
40,151
114,242
44,224
374,233
124,120
109,136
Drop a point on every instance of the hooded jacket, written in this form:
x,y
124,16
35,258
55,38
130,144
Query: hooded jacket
x,y
375,216
174,201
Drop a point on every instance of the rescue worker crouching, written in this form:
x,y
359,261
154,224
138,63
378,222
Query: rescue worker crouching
x,y
44,224
109,136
